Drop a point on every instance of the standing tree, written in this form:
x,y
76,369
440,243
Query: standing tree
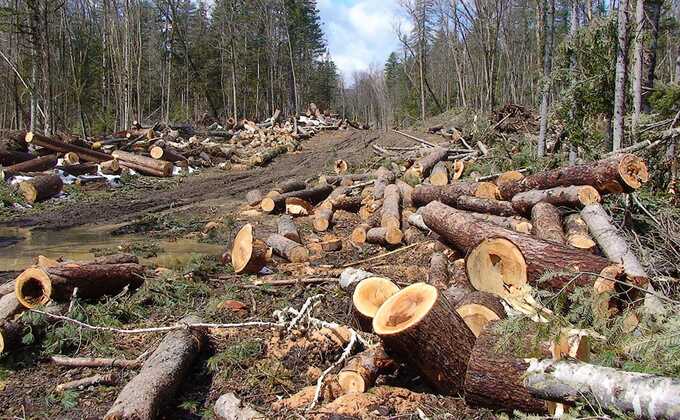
x,y
548,34
621,73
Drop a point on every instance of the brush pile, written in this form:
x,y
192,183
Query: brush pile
x,y
502,238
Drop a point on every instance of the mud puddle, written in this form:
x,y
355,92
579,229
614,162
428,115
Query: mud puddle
x,y
19,246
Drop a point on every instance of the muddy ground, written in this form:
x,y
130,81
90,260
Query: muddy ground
x,y
261,366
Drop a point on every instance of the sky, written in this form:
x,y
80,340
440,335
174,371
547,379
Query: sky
x,y
360,32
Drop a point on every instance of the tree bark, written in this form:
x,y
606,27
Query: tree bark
x,y
384,236
161,166
287,228
548,33
253,198
59,146
368,293
41,188
391,216
485,205
637,65
161,375
576,231
361,371
438,276
383,177
290,250
620,81
313,195
575,196
10,157
449,194
422,167
248,254
439,174
547,223
34,165
322,220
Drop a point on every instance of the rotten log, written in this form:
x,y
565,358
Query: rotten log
x,y
143,163
286,228
36,286
419,325
161,375
361,370
384,236
313,195
41,188
575,196
499,256
485,205
621,173
290,250
248,254
449,194
438,275
576,231
390,214
547,223
39,164
87,155
367,297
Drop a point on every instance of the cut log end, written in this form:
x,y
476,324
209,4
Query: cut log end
x,y
510,176
352,382
405,309
33,287
476,317
267,204
588,195
487,190
580,241
248,254
340,166
633,171
368,297
494,263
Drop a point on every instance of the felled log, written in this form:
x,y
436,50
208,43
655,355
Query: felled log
x,y
290,250
287,228
89,168
11,157
70,158
576,231
37,285
298,207
262,158
422,167
438,275
498,256
253,198
344,180
485,205
322,220
458,167
290,185
110,167
621,173
383,177
9,307
419,325
248,254
516,223
494,378
547,223
575,196
391,217
340,166
41,188
449,194
166,153
478,309
406,192
161,375
87,155
361,370
640,394
143,163
39,164
368,295
439,174
384,236
313,195
350,203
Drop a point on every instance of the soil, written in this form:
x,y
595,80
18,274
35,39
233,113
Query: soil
x,y
261,366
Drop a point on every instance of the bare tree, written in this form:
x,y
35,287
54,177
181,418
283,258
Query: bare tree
x,y
621,73
548,31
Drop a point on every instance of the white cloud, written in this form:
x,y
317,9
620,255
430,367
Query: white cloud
x,y
360,33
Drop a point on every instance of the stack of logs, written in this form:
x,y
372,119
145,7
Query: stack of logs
x,y
547,230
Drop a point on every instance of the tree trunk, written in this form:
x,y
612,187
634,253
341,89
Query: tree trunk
x,y
421,326
547,223
575,196
313,195
161,375
89,168
248,254
10,307
287,228
406,192
383,177
37,285
59,146
344,180
290,250
620,173
485,205
253,198
548,33
637,65
422,167
361,371
576,231
439,174
620,85
42,163
478,308
11,157
323,219
438,276
391,216
384,236
448,194
350,203
41,188
151,165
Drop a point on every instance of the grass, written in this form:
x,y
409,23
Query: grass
x,y
236,357
141,249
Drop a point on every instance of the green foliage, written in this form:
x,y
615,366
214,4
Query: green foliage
x,y
236,357
146,249
665,99
162,226
9,196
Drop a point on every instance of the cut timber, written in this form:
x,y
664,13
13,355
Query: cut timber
x,y
478,309
622,173
458,168
369,294
384,236
340,166
330,243
422,167
485,205
322,220
337,192
41,188
262,158
110,167
290,250
71,158
253,198
84,154
420,325
9,307
510,176
576,231
313,195
152,165
165,153
89,168
161,375
291,185
438,276
42,163
575,196
359,233
361,371
439,174
229,407
344,180
383,177
642,395
287,228
11,157
518,224
494,378
498,256
406,192
350,203
248,255
390,209
449,194
458,277
298,207
36,286
547,223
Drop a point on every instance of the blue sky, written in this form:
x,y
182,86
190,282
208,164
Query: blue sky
x,y
360,33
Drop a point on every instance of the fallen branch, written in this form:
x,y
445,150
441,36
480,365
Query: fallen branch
x,y
345,354
426,143
107,379
377,257
78,362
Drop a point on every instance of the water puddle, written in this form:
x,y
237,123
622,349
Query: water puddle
x,y
19,246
